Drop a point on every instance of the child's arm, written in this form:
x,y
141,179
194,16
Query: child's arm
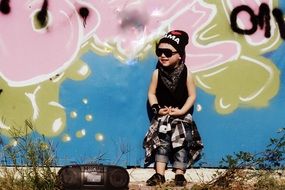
x,y
152,93
190,100
152,89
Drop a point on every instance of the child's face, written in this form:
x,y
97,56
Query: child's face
x,y
167,55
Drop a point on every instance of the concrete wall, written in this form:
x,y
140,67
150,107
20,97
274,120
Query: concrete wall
x,y
81,75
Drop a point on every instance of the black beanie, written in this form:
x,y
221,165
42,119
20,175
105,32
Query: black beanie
x,y
177,38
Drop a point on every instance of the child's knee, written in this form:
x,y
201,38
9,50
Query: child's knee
x,y
181,159
162,154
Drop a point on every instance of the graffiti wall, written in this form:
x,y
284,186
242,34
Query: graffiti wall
x,y
79,71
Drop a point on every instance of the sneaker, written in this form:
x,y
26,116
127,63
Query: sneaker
x,y
180,180
156,179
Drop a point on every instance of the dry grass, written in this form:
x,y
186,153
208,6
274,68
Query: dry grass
x,y
28,162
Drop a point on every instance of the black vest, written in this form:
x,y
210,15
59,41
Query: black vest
x,y
174,99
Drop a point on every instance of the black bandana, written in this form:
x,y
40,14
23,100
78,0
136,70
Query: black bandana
x,y
171,76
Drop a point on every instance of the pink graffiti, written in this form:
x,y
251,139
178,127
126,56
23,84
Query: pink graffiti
x,y
131,25
29,55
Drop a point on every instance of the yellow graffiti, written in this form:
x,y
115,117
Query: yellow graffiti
x,y
88,117
251,80
73,114
99,137
81,133
66,138
38,104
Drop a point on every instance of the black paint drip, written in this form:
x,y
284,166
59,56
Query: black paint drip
x,y
5,7
84,12
42,15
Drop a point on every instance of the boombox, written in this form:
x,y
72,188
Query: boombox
x,y
102,177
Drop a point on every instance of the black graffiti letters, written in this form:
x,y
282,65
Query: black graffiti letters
x,y
278,15
261,20
264,19
234,16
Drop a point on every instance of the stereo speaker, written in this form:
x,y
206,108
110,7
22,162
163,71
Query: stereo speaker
x,y
104,177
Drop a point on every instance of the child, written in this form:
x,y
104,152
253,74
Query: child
x,y
171,96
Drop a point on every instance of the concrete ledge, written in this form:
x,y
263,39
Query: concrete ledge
x,y
138,177
192,175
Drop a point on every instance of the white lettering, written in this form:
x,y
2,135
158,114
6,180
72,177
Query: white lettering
x,y
177,40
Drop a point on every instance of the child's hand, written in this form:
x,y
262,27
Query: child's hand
x,y
163,111
175,112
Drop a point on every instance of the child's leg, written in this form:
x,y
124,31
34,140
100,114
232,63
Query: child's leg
x,y
179,171
158,178
181,160
161,159
160,167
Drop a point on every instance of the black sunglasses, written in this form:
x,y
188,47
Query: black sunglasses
x,y
167,52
